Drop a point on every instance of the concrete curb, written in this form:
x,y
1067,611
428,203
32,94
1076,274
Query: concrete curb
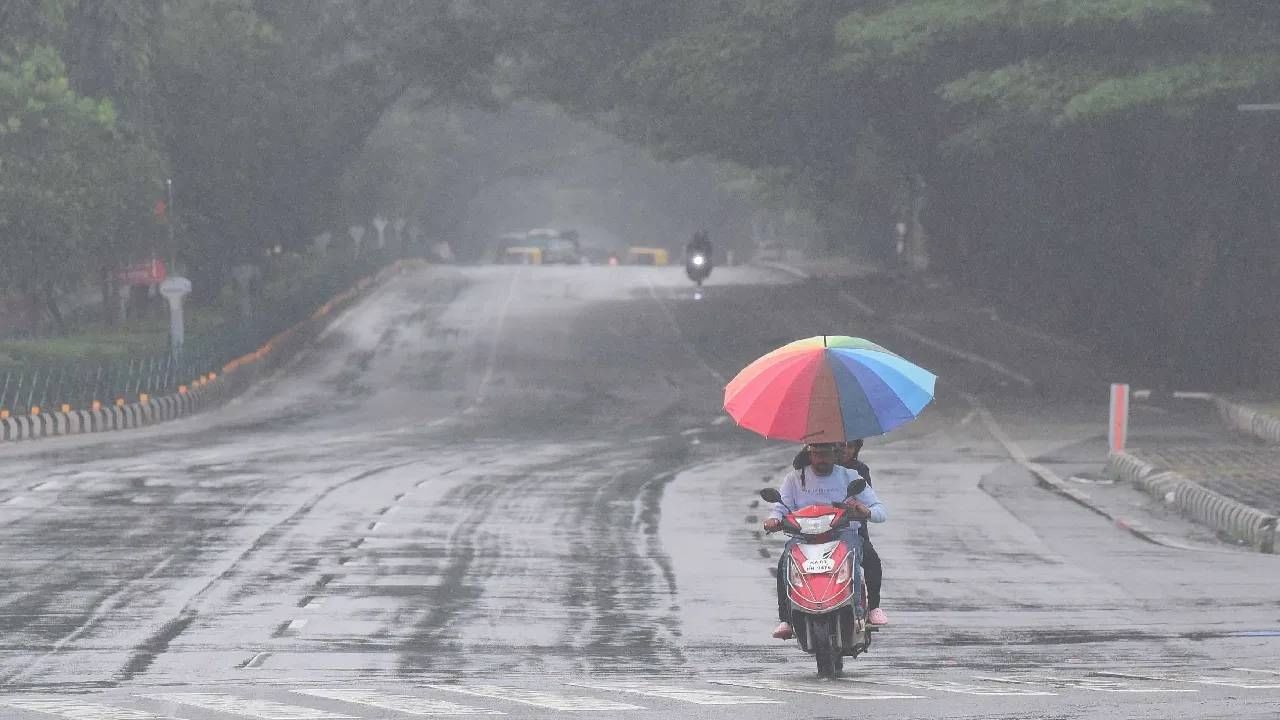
x,y
1219,512
236,377
1248,421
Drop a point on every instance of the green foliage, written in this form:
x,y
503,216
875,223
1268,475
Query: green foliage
x,y
50,156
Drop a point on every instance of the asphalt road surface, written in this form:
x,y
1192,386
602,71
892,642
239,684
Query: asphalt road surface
x,y
513,491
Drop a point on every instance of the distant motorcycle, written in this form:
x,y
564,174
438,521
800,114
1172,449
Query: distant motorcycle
x,y
698,267
824,582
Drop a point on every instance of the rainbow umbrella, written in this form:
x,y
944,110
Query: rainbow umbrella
x,y
828,388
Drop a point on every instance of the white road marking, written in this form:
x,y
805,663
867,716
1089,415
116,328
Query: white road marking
x,y
406,704
495,338
1242,683
675,326
295,625
82,711
315,602
683,694
261,709
950,686
1097,684
720,420
537,698
373,527
964,355
853,300
813,688
256,661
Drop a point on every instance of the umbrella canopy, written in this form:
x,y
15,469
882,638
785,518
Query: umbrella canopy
x,y
828,388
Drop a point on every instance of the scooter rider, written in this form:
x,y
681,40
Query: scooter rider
x,y
872,569
822,482
700,243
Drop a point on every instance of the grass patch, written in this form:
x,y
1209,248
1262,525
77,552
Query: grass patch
x,y
137,338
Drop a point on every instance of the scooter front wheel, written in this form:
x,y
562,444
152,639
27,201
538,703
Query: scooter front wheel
x,y
825,650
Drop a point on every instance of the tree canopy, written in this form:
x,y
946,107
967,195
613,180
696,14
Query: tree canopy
x,y
1091,146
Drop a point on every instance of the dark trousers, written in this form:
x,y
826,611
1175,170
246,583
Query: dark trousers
x,y
872,574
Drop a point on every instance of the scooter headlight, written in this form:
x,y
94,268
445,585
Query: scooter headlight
x,y
842,575
815,525
796,575
699,261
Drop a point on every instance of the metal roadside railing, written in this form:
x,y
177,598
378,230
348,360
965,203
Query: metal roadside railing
x,y
41,387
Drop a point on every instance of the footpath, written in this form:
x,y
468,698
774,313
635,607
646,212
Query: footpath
x,y
1215,461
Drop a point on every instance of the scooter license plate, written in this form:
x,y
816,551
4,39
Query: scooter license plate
x,y
821,565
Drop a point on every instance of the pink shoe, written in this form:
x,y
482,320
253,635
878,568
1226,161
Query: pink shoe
x,y
877,617
783,631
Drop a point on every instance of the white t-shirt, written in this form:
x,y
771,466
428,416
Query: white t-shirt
x,y
818,489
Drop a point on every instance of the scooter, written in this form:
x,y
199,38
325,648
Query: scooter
x,y
824,582
698,267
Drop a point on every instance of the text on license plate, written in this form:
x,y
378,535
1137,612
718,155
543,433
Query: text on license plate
x,y
821,565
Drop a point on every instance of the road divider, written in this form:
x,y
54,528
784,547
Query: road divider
x,y
1229,517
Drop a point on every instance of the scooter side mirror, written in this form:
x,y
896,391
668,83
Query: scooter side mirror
x,y
856,487
771,495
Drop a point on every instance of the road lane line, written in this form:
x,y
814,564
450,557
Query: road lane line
x,y
689,347
495,338
257,661
1097,684
536,698
406,704
965,355
682,694
73,710
812,688
950,686
245,707
1215,681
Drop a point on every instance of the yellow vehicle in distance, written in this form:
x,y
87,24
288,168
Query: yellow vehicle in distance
x,y
520,255
647,256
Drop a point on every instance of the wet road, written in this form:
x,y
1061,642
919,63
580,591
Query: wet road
x,y
511,490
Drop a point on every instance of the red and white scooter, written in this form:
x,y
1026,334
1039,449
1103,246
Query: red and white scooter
x,y
824,582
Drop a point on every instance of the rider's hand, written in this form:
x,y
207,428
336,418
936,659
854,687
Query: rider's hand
x,y
772,525
858,510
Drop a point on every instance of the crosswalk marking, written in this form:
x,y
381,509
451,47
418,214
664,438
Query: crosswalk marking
x,y
1244,684
813,688
261,709
399,703
537,698
683,694
81,711
1097,684
951,686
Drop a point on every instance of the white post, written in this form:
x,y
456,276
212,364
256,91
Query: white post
x,y
173,289
357,236
322,241
380,224
1118,426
